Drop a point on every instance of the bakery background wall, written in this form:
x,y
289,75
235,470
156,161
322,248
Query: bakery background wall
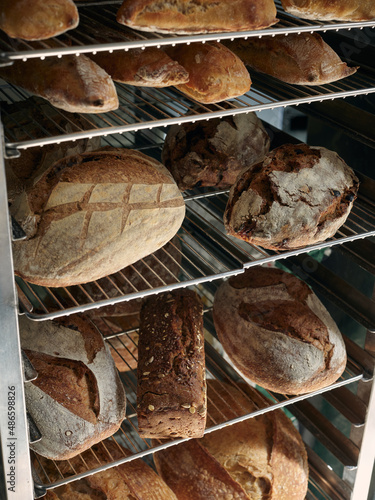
x,y
347,292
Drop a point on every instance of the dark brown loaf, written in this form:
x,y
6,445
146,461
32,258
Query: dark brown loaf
x,y
277,333
77,399
37,19
215,72
297,196
213,152
90,215
260,458
299,58
171,389
189,17
329,10
128,481
75,84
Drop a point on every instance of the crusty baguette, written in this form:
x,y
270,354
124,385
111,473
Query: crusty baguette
x,y
93,214
37,19
302,59
277,333
77,399
171,389
215,72
72,83
189,17
329,10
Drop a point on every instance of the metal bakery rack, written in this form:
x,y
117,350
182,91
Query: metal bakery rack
x,y
204,255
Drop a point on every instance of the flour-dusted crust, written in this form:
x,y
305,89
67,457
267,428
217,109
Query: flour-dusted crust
x,y
213,152
77,399
171,388
75,84
90,215
191,17
329,10
299,58
277,332
298,196
37,19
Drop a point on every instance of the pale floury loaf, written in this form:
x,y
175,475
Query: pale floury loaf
x,y
93,214
77,399
277,333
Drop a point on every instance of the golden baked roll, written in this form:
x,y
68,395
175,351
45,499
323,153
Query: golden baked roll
x,y
329,10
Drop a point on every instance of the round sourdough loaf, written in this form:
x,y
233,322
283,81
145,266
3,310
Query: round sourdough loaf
x,y
261,458
297,196
90,215
77,399
213,152
277,333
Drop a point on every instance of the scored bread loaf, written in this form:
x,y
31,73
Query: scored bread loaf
x,y
214,152
297,196
171,388
299,58
215,72
128,481
260,458
277,333
92,214
77,399
329,10
189,17
37,19
75,84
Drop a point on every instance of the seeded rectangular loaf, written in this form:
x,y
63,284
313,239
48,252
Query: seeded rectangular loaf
x,y
171,391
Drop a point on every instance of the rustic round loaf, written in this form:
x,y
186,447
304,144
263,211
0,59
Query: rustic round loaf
x,y
93,214
77,399
213,152
260,458
277,333
297,196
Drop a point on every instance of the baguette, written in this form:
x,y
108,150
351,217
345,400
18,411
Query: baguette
x,y
299,59
329,10
37,19
75,84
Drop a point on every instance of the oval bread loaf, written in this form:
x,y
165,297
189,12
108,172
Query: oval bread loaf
x,y
329,10
297,196
77,399
90,215
277,333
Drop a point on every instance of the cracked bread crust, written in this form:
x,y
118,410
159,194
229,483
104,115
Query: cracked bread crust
x,y
171,389
339,10
277,333
297,196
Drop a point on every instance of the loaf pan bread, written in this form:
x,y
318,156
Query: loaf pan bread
x,y
277,333
77,399
326,10
297,196
93,214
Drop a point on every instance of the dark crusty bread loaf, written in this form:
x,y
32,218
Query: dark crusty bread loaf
x,y
77,399
189,17
37,19
93,214
277,333
328,10
128,481
299,58
171,389
260,458
213,152
75,84
215,72
297,196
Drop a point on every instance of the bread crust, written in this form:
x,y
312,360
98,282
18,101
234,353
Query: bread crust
x,y
189,17
277,333
329,10
297,196
299,59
